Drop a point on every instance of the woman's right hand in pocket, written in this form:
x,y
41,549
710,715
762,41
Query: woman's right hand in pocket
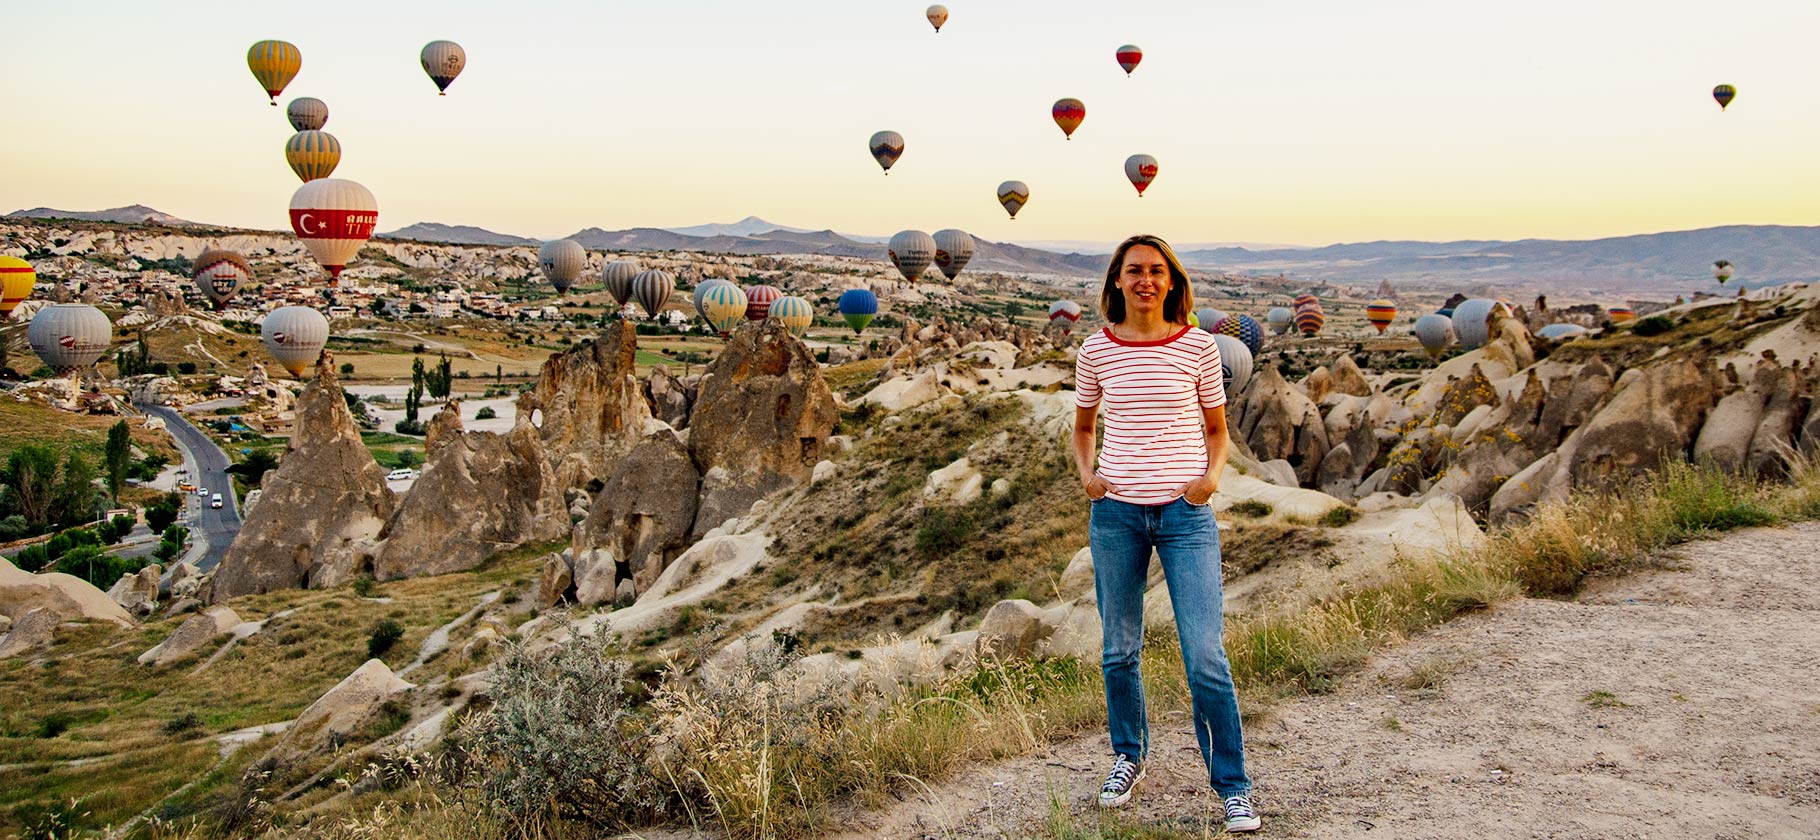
x,y
1096,488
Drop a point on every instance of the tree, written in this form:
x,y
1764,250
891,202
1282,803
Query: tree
x,y
499,374
160,516
118,457
255,466
135,360
414,397
441,380
408,458
31,484
347,368
76,491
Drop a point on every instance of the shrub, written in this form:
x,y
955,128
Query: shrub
x,y
95,566
944,531
1340,517
160,516
186,368
14,527
386,633
123,524
408,427
1250,508
562,739
1653,325
365,586
485,413
182,723
31,558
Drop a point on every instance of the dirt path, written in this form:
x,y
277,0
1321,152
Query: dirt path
x,y
1676,702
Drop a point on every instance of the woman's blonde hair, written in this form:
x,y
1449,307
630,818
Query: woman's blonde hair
x,y
1176,305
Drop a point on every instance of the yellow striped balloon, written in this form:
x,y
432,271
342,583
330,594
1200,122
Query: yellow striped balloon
x,y
274,64
16,281
312,154
1381,313
724,306
794,313
1013,195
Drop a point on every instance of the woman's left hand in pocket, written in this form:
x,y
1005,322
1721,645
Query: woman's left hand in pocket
x,y
1200,491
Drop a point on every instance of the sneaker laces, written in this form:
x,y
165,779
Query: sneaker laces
x,y
1239,808
1120,778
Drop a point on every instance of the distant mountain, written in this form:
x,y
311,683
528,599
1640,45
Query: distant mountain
x,y
1089,246
455,235
748,226
987,256
137,214
1670,262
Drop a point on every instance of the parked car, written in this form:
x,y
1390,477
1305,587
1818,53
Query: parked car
x,y
216,501
185,487
401,474
202,491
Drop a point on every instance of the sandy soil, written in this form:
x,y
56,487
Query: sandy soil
x,y
1677,702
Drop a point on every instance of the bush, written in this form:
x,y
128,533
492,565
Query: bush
x,y
123,524
14,527
186,368
562,736
97,567
182,723
365,586
32,558
1250,508
408,427
485,413
944,531
386,633
160,516
408,458
1653,325
1340,517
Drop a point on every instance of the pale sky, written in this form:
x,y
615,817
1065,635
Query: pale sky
x,y
1311,122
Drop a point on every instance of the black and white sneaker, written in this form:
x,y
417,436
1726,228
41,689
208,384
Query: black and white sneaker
x,y
1240,816
1121,782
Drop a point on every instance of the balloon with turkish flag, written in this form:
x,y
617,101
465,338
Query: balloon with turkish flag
x,y
334,217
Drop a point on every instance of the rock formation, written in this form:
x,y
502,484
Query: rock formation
x,y
588,406
191,635
323,508
137,592
639,521
344,710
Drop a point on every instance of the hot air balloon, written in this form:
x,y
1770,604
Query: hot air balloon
x,y
1279,318
1141,169
312,154
1722,271
562,261
307,113
1244,328
617,277
1013,195
1063,313
219,274
333,217
1235,365
1724,94
69,336
1129,56
911,251
937,15
652,288
1620,314
1309,320
1435,331
443,60
1561,332
695,297
858,306
1303,301
759,300
723,307
1068,114
953,250
295,335
1194,320
1207,316
1471,321
1381,313
274,64
886,148
794,313
16,281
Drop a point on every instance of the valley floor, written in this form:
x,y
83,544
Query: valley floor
x,y
1680,701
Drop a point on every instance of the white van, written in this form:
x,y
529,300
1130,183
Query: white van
x,y
216,501
401,474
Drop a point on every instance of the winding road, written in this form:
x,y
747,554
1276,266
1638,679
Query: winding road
x,y
208,468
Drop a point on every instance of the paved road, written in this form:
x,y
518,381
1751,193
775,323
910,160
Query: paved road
x,y
208,468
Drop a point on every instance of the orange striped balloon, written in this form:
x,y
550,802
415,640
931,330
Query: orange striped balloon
x,y
1620,314
1381,313
1310,320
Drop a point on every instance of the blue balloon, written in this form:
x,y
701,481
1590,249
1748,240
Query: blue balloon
x,y
858,306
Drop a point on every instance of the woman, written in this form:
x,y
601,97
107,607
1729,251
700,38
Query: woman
x,y
1159,383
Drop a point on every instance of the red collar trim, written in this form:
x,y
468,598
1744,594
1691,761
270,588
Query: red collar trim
x,y
1158,343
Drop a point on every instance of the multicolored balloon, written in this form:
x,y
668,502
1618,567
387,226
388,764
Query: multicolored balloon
x,y
1141,169
1235,364
937,15
953,250
562,261
274,64
1068,114
652,288
1381,313
219,273
1620,314
1722,271
1310,320
886,148
695,297
724,307
443,60
295,336
1435,331
795,313
759,300
911,251
1724,94
307,113
1063,313
312,154
857,307
16,281
69,336
334,217
1244,328
1129,56
1013,195
1279,318
617,278
1206,317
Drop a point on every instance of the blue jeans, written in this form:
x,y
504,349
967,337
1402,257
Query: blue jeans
x,y
1188,542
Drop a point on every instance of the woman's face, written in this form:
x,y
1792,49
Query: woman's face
x,y
1144,280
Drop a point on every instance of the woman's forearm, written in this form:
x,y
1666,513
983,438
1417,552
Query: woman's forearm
x,y
1082,446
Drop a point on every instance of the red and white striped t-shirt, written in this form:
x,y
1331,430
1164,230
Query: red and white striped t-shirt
x,y
1154,393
